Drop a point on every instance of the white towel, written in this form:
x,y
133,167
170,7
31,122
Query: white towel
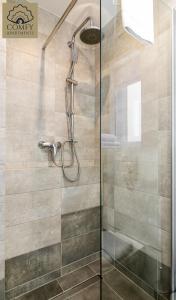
x,y
138,19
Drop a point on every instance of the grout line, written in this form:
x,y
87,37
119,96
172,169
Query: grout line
x,y
93,269
82,234
96,253
51,188
71,273
81,210
76,293
41,37
78,284
33,221
48,189
83,289
131,281
33,280
17,297
113,290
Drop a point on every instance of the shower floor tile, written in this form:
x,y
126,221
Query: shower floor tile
x,y
106,266
84,284
108,293
75,278
90,293
77,292
43,293
125,288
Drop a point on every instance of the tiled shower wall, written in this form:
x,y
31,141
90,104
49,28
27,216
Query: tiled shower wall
x,y
2,159
137,175
50,222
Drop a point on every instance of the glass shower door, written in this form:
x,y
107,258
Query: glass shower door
x,y
136,155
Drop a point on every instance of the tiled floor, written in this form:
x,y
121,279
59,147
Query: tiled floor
x,y
125,288
84,284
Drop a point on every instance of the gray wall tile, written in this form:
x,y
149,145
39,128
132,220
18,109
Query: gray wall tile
x,y
29,266
81,222
2,289
81,246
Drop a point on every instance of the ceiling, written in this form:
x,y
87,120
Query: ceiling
x,y
85,8
56,7
81,10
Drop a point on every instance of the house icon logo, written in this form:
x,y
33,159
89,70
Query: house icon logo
x,y
20,20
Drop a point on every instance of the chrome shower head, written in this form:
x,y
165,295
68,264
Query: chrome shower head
x,y
90,35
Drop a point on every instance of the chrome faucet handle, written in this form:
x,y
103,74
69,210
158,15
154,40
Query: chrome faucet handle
x,y
43,145
50,147
56,146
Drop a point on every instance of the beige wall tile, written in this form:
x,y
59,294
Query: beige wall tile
x,y
3,69
146,234
150,116
2,218
2,182
34,69
2,146
165,113
2,107
61,39
165,214
46,21
33,46
31,236
79,198
29,95
165,180
108,218
135,203
22,148
29,180
165,147
2,260
23,208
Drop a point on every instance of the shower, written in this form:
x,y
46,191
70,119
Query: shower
x,y
89,35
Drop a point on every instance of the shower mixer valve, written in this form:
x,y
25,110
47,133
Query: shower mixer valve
x,y
50,147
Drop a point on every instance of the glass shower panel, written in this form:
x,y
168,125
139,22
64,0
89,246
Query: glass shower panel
x,y
136,153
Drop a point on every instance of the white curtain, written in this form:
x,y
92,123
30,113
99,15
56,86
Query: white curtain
x,y
138,19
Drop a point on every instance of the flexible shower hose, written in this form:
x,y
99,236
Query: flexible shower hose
x,y
63,166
